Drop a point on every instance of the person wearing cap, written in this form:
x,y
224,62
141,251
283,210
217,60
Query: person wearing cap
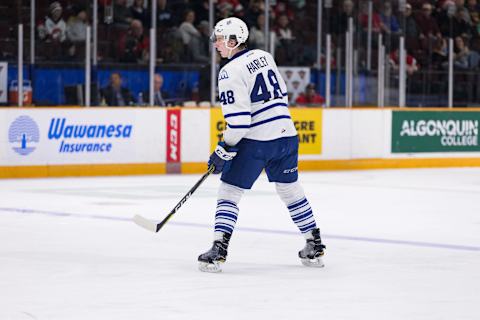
x,y
54,27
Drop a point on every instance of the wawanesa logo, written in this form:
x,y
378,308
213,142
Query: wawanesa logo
x,y
23,135
101,134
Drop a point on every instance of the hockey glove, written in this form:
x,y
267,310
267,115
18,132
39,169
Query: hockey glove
x,y
221,157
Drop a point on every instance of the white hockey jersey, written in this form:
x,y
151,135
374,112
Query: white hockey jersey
x,y
254,99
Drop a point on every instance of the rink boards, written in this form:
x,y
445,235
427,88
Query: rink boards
x,y
42,142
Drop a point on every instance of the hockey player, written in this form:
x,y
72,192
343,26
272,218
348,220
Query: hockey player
x,y
260,135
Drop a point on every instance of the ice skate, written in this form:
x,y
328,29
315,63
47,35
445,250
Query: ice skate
x,y
311,254
211,260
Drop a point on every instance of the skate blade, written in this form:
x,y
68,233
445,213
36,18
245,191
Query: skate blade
x,y
213,267
313,263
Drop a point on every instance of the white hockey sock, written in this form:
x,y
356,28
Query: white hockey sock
x,y
302,216
225,218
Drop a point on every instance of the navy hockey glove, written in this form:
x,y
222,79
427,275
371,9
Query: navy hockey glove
x,y
221,157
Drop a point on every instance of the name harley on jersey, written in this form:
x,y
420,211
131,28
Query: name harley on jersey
x,y
257,64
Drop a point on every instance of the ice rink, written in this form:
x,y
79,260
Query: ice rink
x,y
401,244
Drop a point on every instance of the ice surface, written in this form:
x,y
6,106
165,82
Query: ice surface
x,y
401,244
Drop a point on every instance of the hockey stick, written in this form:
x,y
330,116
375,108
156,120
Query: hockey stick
x,y
155,227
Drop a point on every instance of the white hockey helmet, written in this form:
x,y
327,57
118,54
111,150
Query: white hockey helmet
x,y
231,29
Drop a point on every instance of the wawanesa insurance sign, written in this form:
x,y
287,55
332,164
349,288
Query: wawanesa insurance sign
x,y
432,131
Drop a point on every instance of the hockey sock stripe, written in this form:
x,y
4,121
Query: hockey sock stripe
x,y
225,217
304,218
223,228
308,228
297,204
227,202
302,215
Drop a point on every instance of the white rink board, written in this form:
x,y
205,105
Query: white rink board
x,y
346,135
195,137
107,135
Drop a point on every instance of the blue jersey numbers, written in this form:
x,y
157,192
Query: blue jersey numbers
x,y
260,91
227,97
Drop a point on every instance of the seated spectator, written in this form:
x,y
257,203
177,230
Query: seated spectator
x,y
139,12
464,58
199,46
159,95
256,39
77,26
134,45
54,28
411,65
310,96
114,94
440,55
121,13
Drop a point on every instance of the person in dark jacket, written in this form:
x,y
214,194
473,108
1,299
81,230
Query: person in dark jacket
x,y
116,95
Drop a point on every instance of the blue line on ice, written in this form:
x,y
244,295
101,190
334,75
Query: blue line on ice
x,y
247,229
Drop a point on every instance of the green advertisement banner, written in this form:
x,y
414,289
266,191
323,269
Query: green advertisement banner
x,y
435,131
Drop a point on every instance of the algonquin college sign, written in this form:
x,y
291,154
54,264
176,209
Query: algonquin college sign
x,y
432,131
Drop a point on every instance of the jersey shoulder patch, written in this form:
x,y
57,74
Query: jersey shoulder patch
x,y
223,75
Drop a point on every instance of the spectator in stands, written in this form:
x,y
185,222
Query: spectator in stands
x,y
411,30
199,46
54,28
439,58
286,51
389,20
116,95
464,58
411,65
165,15
475,23
256,39
122,15
224,10
310,96
462,25
134,44
377,25
256,8
77,26
139,12
339,25
187,29
428,27
159,95
473,6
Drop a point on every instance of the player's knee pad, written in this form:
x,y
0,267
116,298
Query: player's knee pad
x,y
290,192
230,192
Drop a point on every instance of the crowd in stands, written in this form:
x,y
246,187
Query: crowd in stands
x,y
183,29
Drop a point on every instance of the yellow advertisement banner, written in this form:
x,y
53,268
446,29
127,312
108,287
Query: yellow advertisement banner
x,y
217,126
308,123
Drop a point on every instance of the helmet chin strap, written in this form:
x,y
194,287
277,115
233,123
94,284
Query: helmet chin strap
x,y
230,49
